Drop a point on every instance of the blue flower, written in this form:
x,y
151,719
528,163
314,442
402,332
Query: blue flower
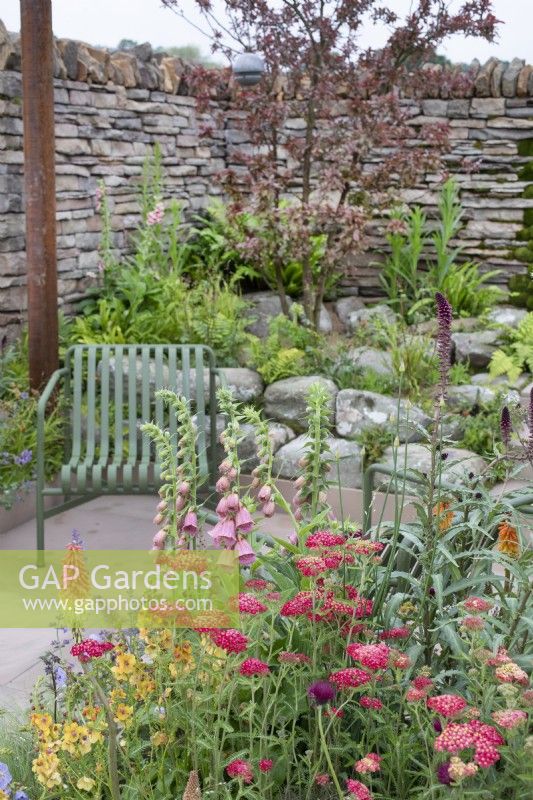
x,y
21,795
24,396
60,676
5,776
23,458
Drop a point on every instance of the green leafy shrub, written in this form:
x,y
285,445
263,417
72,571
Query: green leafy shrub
x,y
423,261
517,355
374,441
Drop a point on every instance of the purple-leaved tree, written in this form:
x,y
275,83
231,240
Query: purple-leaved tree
x,y
325,108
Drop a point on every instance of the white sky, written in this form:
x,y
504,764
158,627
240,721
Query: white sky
x,y
106,22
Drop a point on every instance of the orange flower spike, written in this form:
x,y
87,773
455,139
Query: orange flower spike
x,y
508,540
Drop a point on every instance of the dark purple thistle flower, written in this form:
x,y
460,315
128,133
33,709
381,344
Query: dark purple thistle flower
x,y
322,692
76,539
437,725
443,773
506,426
444,338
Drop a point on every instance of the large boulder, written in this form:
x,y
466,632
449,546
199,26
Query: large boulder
x,y
365,358
346,306
286,400
359,410
507,315
468,396
365,316
245,384
458,464
278,434
476,348
349,454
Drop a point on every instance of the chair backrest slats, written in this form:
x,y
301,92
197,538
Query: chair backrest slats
x,y
104,406
91,405
200,403
186,374
102,379
172,384
132,404
119,401
145,400
77,404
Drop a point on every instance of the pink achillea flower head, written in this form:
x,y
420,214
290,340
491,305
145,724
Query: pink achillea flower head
x,y
350,678
370,763
415,695
257,584
321,692
299,605
459,770
230,640
510,718
293,658
473,623
253,666
422,682
447,705
245,552
266,764
322,779
511,673
90,648
324,539
395,633
310,566
477,605
240,769
370,702
373,656
248,604
358,790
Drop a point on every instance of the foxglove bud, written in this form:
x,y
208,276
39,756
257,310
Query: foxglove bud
x,y
222,485
264,494
269,509
180,503
184,488
233,501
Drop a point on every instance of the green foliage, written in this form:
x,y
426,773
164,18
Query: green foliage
x,y
423,261
347,375
521,287
517,355
459,374
374,441
290,348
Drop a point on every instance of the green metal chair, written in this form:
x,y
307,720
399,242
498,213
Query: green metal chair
x,y
108,392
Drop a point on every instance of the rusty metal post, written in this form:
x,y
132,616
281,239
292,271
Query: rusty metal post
x,y
39,185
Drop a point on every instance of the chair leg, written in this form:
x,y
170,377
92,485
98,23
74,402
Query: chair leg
x,y
40,523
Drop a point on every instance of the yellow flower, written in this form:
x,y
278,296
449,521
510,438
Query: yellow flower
x,y
43,722
508,541
3,795
123,713
144,686
116,695
166,639
91,712
46,769
172,668
76,739
124,666
159,738
183,652
85,784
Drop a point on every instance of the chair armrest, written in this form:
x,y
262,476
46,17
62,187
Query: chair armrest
x,y
221,376
47,391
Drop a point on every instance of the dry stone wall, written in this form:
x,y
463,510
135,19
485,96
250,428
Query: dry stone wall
x,y
110,109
